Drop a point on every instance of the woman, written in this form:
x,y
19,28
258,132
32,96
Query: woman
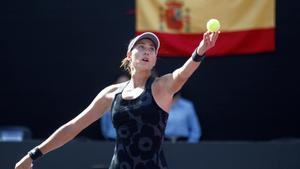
x,y
139,107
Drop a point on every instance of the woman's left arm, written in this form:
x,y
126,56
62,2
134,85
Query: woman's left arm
x,y
175,80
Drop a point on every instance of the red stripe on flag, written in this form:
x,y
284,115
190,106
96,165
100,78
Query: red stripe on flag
x,y
229,43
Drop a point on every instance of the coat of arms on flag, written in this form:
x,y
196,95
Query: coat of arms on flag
x,y
174,15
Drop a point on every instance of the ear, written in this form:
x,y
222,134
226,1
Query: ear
x,y
129,55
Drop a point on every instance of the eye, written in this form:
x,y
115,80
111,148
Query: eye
x,y
141,47
152,49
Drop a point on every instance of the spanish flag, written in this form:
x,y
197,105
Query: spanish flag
x,y
247,26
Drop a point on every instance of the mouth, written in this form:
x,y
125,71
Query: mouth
x,y
145,60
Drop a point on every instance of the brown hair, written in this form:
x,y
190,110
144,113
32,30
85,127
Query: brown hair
x,y
125,64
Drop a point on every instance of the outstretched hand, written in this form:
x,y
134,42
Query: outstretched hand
x,y
208,41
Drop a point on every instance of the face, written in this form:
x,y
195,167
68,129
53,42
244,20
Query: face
x,y
143,55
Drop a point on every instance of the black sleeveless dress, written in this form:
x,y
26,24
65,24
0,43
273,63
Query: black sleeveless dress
x,y
140,124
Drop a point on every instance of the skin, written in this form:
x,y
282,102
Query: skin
x,y
142,58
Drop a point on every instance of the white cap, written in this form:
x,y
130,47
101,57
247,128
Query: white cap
x,y
146,35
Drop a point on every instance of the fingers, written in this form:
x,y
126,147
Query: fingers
x,y
214,38
209,40
206,38
211,36
216,35
205,35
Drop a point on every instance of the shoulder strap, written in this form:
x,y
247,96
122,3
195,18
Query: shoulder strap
x,y
149,82
121,88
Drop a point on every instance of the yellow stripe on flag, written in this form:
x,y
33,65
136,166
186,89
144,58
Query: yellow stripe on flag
x,y
190,16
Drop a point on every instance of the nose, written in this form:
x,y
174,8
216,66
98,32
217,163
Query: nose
x,y
147,51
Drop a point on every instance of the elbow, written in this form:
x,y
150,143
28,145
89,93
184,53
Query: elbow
x,y
182,79
181,76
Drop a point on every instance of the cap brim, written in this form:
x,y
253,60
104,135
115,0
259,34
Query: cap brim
x,y
147,35
151,37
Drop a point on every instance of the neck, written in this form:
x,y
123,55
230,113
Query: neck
x,y
139,79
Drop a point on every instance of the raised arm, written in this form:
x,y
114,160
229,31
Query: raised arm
x,y
69,130
175,80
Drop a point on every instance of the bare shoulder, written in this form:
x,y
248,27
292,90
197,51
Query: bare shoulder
x,y
110,91
162,82
107,95
171,82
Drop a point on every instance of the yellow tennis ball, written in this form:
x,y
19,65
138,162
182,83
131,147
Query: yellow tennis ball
x,y
213,25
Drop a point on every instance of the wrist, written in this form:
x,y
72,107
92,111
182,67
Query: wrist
x,y
197,55
35,154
